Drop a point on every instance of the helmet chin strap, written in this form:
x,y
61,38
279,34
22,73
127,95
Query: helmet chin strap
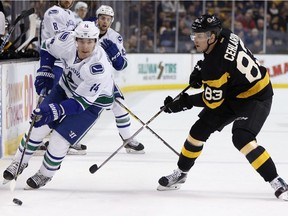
x,y
208,45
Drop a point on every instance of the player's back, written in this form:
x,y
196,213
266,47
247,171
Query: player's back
x,y
56,19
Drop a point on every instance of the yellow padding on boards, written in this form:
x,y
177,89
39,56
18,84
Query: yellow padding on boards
x,y
190,154
260,160
249,147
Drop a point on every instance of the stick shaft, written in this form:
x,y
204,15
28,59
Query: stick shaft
x,y
150,129
139,130
8,35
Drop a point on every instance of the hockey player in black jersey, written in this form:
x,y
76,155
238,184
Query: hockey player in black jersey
x,y
236,89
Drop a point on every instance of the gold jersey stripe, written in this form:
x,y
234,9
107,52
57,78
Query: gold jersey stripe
x,y
190,154
215,84
261,84
260,160
218,83
212,105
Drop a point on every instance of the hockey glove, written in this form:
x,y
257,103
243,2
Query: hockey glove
x,y
44,79
195,80
47,113
114,54
180,104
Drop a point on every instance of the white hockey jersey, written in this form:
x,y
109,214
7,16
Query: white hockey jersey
x,y
56,20
88,81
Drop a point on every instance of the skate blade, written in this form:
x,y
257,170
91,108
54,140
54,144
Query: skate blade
x,y
284,196
132,151
5,181
172,187
76,152
27,187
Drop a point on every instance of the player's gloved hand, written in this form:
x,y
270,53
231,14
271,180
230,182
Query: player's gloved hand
x,y
47,113
114,54
195,80
44,79
180,104
111,49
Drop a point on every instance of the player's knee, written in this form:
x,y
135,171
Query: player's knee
x,y
194,141
244,141
55,148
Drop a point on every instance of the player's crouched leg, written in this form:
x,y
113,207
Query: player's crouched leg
x,y
55,154
261,161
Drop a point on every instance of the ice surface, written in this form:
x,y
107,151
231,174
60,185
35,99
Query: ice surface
x,y
221,183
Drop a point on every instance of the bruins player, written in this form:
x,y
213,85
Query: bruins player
x,y
236,89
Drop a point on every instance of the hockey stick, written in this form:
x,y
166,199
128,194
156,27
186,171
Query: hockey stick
x,y
95,167
6,38
153,132
13,182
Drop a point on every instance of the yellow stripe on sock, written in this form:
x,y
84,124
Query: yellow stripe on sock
x,y
260,160
190,154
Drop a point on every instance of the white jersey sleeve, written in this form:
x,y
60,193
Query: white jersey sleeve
x,y
116,38
56,20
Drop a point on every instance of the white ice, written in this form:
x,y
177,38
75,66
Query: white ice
x,y
221,183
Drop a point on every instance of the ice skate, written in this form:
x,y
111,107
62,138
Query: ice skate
x,y
10,173
281,188
77,149
134,147
173,181
36,181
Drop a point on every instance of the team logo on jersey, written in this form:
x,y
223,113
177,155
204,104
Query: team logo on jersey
x,y
96,69
120,39
53,12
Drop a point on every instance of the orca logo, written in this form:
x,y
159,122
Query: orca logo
x,y
96,69
53,12
120,39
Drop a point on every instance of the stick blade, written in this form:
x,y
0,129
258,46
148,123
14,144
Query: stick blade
x,y
93,168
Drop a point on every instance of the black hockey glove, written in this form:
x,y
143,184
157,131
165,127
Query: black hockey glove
x,y
180,104
195,80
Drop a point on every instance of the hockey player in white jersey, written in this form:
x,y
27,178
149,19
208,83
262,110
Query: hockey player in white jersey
x,y
57,19
73,105
112,42
80,11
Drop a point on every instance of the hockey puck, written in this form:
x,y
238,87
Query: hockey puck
x,y
17,201
93,168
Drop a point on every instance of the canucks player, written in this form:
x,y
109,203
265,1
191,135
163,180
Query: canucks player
x,y
236,89
80,11
73,105
112,42
57,19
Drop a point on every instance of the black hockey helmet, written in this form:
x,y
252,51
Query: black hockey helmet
x,y
207,23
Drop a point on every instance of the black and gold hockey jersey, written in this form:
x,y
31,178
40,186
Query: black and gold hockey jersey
x,y
231,72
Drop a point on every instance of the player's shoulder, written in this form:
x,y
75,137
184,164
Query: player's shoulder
x,y
64,41
53,11
114,35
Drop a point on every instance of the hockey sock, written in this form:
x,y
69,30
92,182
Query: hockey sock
x,y
262,163
189,154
